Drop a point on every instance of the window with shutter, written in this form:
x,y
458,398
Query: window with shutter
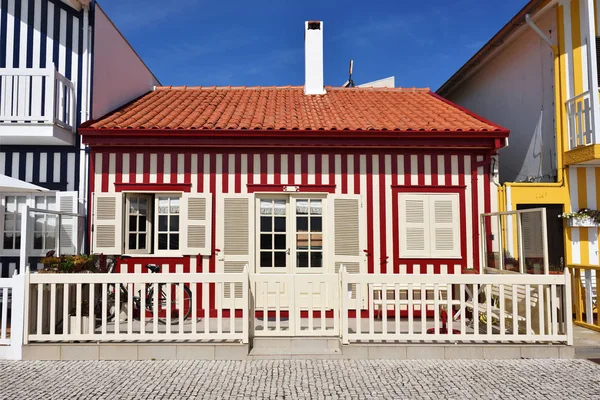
x,y
197,224
67,203
108,208
429,225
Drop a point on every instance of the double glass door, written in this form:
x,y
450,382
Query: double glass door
x,y
290,235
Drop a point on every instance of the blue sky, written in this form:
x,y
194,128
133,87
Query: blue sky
x,y
261,42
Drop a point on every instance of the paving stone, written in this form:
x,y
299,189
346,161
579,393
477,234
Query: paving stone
x,y
301,379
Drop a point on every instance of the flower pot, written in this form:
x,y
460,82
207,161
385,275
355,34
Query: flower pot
x,y
581,222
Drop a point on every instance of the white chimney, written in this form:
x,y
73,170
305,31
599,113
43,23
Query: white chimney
x,y
313,57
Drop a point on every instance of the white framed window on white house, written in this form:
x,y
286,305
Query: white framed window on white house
x,y
168,208
429,225
138,224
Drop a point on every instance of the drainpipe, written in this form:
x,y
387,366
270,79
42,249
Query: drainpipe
x,y
84,116
541,34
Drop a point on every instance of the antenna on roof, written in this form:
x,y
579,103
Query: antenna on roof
x,y
349,82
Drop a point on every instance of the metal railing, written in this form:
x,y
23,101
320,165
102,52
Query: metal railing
x,y
37,96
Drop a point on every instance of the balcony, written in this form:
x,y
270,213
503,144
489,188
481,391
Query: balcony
x,y
37,107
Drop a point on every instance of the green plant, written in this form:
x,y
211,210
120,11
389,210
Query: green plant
x,y
583,213
70,263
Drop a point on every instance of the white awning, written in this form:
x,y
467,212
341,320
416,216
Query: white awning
x,y
12,185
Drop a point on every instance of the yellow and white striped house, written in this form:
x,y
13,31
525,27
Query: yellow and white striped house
x,y
538,76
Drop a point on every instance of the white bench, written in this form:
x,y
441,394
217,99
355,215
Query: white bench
x,y
391,293
509,299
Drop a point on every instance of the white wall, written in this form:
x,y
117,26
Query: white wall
x,y
119,74
512,89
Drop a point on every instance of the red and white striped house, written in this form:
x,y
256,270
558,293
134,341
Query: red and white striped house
x,y
292,179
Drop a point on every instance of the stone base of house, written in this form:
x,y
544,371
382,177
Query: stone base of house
x,y
291,348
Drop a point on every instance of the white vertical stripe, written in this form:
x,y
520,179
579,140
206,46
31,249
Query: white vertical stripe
x,y
593,246
454,170
444,269
270,169
376,217
414,170
568,53
325,169
23,35
193,172
429,269
311,169
43,166
125,172
338,174
403,269
257,169
468,219
98,173
37,29
351,173
284,169
180,168
427,167
573,189
401,170
244,173
112,171
56,177
583,46
206,178
74,52
49,35
3,162
440,171
71,168
481,205
363,176
15,165
167,168
139,167
10,33
297,169
29,167
388,215
590,185
62,46
154,169
231,173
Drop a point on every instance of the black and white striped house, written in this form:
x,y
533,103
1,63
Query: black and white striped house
x,y
61,64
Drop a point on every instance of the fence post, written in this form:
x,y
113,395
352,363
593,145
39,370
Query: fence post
x,y
568,307
17,317
344,304
24,238
26,305
245,295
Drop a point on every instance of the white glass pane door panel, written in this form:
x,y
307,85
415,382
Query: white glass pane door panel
x,y
273,247
308,235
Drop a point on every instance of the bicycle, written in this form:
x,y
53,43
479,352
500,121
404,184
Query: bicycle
x,y
163,298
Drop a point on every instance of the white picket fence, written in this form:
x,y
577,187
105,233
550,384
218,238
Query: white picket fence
x,y
12,299
68,307
504,308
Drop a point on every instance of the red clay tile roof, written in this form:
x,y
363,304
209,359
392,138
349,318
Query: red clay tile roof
x,y
288,108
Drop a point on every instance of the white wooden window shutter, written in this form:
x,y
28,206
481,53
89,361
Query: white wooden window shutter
x,y
67,203
445,226
235,239
414,226
108,223
347,224
196,229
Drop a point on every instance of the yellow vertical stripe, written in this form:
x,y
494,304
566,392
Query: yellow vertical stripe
x,y
576,39
596,13
583,232
560,90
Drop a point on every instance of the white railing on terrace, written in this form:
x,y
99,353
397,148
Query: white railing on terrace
x,y
119,307
37,96
580,120
505,308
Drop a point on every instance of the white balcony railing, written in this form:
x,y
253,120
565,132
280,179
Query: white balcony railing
x,y
37,96
580,119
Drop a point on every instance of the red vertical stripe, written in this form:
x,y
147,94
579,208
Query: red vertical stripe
x,y
344,173
370,216
200,175
132,169
238,173
213,190
105,169
448,169
463,211
434,170
318,169
394,259
304,168
187,168
277,169
146,172
475,210
407,171
382,221
487,201
332,169
250,168
356,173
263,168
92,190
225,173
160,167
421,166
291,167
118,168
174,165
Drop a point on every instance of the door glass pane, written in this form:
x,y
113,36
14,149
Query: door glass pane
x,y
273,233
280,257
280,242
302,224
266,242
309,236
266,224
302,259
280,224
266,259
316,224
316,260
162,241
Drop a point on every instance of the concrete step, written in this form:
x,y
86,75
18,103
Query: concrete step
x,y
295,347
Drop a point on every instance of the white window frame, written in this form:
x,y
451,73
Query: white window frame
x,y
155,232
429,251
29,201
149,223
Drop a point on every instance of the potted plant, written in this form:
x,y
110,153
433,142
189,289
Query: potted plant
x,y
584,218
510,263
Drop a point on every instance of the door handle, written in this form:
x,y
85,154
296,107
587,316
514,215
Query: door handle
x,y
287,252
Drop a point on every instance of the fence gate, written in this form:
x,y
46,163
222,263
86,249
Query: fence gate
x,y
295,305
12,300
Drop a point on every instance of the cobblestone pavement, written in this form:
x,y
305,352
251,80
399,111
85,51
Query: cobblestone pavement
x,y
425,379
